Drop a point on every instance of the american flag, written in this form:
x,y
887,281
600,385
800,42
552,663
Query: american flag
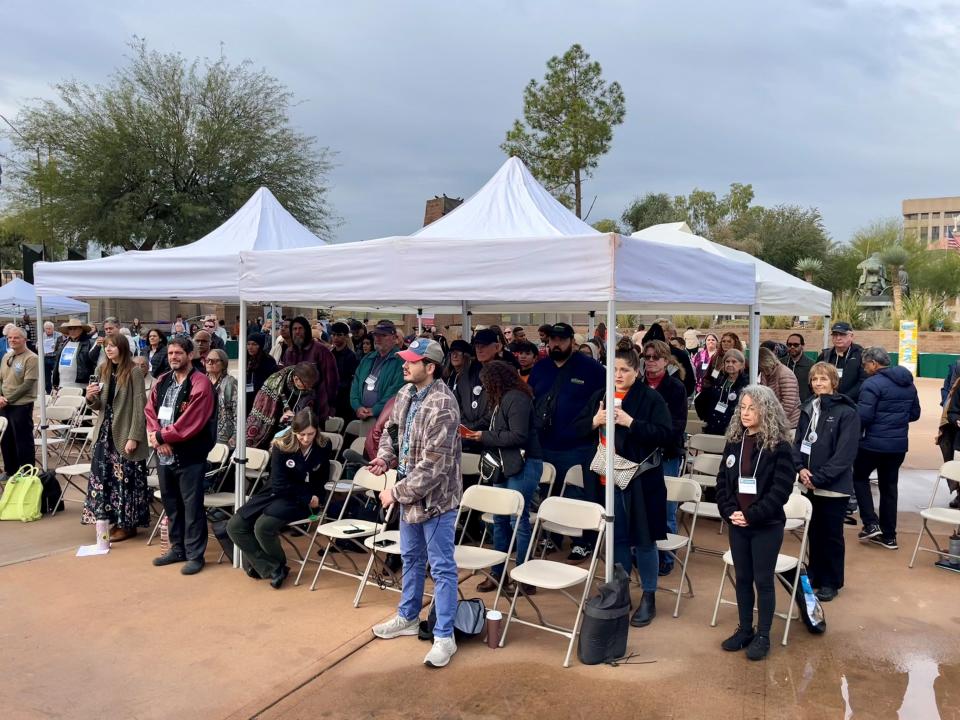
x,y
953,238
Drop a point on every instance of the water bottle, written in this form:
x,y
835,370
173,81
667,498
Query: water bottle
x,y
164,536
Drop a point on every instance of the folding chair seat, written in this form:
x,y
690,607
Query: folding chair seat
x,y
796,507
551,575
945,516
354,530
334,425
681,490
547,478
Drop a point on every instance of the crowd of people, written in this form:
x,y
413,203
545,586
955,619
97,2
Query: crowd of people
x,y
825,424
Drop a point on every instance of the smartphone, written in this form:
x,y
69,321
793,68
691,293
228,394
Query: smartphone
x,y
383,543
352,531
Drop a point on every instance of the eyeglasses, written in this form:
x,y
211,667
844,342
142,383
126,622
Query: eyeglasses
x,y
793,344
212,361
652,358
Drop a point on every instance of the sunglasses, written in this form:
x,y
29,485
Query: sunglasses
x,y
212,361
793,344
652,358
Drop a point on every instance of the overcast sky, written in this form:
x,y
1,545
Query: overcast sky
x,y
846,106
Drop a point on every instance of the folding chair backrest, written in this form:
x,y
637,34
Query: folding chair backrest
x,y
360,428
335,440
571,513
798,507
682,490
469,464
574,477
257,460
218,455
950,470
706,464
493,500
358,445
368,481
72,401
549,474
695,426
68,391
3,426
334,425
336,470
61,413
708,443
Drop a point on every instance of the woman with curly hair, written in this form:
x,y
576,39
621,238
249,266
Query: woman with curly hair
x,y
511,441
754,482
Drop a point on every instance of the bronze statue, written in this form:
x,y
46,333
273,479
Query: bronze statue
x,y
873,277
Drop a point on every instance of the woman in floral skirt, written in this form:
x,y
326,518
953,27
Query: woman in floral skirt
x,y
117,490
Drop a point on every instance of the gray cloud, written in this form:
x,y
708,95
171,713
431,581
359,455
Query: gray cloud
x,y
848,106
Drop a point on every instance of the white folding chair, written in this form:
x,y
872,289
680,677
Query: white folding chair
x,y
336,441
945,516
68,391
495,501
704,470
334,486
552,575
703,443
358,445
695,426
334,425
69,400
681,490
547,478
303,527
469,463
797,507
354,530
60,420
360,428
573,478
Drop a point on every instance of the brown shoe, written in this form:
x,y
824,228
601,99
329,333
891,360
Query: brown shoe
x,y
487,585
119,534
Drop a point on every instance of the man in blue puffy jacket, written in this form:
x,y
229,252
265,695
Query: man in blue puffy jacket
x,y
888,403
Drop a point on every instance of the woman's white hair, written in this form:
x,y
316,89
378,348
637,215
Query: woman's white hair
x,y
773,422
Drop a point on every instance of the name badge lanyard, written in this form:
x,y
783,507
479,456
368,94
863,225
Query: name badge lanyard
x,y
838,365
806,445
748,485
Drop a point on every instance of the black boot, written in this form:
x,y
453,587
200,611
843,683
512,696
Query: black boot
x,y
647,610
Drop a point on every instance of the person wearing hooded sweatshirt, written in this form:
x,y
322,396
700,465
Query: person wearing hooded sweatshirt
x,y
347,362
303,348
824,450
260,366
887,404
658,332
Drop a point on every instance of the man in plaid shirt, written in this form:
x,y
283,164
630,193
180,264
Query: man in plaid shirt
x,y
428,491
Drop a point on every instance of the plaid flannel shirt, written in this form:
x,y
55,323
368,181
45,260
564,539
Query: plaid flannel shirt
x,y
433,484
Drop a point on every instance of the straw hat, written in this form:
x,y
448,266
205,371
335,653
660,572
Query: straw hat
x,y
75,323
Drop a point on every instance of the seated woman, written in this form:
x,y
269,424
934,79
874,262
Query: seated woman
x,y
716,404
283,395
225,386
754,483
299,469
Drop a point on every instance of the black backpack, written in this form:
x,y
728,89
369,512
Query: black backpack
x,y
51,493
469,621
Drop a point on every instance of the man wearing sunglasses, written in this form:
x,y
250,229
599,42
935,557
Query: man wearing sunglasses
x,y
800,364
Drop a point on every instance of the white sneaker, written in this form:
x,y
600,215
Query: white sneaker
x,y
395,627
441,652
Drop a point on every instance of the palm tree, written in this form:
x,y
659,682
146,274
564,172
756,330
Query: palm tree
x,y
808,267
895,257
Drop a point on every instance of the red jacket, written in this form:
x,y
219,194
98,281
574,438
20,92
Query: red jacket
x,y
325,390
191,417
373,439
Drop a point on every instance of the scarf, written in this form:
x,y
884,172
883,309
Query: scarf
x,y
268,405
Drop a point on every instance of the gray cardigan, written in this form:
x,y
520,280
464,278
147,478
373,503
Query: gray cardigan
x,y
129,422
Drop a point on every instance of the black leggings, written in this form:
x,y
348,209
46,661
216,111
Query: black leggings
x,y
755,551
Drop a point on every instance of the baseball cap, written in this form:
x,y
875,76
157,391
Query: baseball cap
x,y
461,346
560,330
485,337
340,328
385,327
422,349
841,327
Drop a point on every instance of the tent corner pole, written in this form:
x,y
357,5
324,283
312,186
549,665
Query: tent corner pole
x,y
419,320
754,344
609,431
592,322
467,320
41,384
826,331
240,452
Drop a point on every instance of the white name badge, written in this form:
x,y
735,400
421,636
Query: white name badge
x,y
721,407
704,366
166,413
250,387
371,383
715,374
617,402
840,373
747,485
805,447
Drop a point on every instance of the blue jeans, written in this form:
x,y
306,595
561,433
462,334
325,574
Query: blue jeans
x,y
525,482
671,468
563,460
645,557
431,541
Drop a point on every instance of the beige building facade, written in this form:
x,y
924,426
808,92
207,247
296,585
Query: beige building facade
x,y
929,219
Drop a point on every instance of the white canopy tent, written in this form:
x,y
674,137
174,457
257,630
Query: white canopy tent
x,y
511,246
207,269
18,297
778,292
